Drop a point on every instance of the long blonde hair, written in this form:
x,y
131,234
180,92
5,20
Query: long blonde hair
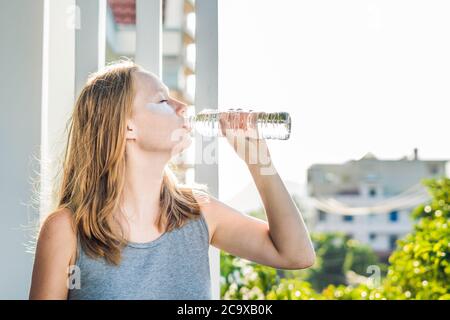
x,y
94,166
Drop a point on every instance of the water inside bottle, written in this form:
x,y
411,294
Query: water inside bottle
x,y
255,124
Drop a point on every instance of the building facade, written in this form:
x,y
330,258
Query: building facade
x,y
370,199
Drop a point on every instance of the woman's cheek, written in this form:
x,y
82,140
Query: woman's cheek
x,y
160,109
158,126
162,132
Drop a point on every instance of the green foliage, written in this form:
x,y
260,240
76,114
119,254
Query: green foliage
x,y
419,267
292,289
359,257
245,280
361,292
331,251
336,255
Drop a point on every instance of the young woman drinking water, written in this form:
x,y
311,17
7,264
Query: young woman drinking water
x,y
124,228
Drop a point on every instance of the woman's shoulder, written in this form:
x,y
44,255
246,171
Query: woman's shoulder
x,y
58,233
54,251
59,222
208,205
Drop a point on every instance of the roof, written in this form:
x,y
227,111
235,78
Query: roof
x,y
369,156
124,11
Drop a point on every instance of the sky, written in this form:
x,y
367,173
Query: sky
x,y
356,76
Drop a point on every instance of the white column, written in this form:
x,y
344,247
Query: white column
x,y
20,126
90,39
58,90
149,35
36,91
206,95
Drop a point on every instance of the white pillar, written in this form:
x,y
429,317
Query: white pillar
x,y
58,90
206,95
20,127
90,40
149,35
36,91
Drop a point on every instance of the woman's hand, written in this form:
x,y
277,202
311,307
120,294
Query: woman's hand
x,y
241,131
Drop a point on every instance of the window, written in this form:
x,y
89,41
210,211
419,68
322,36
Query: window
x,y
347,218
372,236
372,192
322,215
434,170
393,216
392,241
330,178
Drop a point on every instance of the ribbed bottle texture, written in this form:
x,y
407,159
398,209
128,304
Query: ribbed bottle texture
x,y
255,124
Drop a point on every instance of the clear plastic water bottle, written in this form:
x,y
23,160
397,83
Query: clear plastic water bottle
x,y
255,124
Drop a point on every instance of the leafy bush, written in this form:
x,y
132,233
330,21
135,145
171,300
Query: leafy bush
x,y
292,289
245,280
420,267
337,254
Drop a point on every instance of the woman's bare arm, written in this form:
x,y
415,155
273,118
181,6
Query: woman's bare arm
x,y
282,243
55,252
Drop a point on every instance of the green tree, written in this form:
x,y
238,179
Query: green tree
x,y
336,255
359,257
420,266
292,289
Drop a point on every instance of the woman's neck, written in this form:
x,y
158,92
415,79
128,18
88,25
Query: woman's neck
x,y
143,180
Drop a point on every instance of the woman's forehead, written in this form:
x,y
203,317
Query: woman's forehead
x,y
150,83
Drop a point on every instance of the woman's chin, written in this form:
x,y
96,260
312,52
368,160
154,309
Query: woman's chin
x,y
182,145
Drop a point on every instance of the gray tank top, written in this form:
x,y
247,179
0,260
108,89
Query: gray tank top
x,y
172,267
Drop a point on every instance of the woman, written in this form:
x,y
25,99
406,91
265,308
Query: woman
x,y
124,228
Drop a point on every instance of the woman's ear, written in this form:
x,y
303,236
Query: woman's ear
x,y
131,133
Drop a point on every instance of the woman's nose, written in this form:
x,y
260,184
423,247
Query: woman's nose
x,y
181,108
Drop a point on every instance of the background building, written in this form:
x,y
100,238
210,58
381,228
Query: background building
x,y
370,199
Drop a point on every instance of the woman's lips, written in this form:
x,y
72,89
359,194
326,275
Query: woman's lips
x,y
186,125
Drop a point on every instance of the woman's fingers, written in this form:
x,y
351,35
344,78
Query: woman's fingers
x,y
235,123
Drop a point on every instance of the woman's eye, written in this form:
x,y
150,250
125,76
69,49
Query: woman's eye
x,y
162,101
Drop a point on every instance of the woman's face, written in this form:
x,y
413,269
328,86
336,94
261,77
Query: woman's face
x,y
158,122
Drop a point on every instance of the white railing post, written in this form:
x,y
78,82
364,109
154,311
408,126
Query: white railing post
x,y
58,89
90,40
149,35
20,126
206,95
36,95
